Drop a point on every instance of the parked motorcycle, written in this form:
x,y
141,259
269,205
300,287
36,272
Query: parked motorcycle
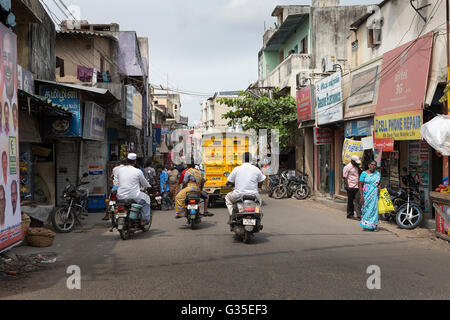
x,y
246,218
65,218
155,198
407,202
292,184
193,215
126,217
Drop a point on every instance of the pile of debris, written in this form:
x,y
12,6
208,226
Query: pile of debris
x,y
12,266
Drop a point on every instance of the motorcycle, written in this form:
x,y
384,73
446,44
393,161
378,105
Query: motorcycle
x,y
246,218
155,198
292,184
126,218
192,210
407,202
274,181
65,218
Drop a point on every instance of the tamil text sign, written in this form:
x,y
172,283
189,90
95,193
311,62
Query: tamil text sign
x,y
329,99
404,77
352,148
323,136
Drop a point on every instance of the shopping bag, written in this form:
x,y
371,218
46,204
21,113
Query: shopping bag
x,y
385,204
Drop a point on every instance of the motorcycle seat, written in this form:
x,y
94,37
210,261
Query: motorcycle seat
x,y
249,197
193,196
127,202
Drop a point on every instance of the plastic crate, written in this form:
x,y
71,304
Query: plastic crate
x,y
96,203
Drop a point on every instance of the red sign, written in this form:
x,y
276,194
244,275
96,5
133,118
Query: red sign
x,y
323,136
404,76
304,104
385,145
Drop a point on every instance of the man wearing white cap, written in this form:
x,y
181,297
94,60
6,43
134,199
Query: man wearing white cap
x,y
351,176
129,182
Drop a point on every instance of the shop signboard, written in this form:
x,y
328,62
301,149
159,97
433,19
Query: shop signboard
x,y
400,126
323,136
329,99
10,211
304,104
134,108
442,227
69,98
384,145
403,83
358,128
363,87
352,148
94,122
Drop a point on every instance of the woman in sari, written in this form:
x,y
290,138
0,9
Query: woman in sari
x,y
192,182
368,187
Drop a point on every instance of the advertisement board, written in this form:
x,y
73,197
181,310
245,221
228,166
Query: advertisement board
x,y
329,99
94,122
304,105
10,212
352,148
363,87
384,145
69,98
134,108
403,83
358,128
323,136
400,126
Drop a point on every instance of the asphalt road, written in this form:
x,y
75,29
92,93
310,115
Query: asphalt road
x,y
306,251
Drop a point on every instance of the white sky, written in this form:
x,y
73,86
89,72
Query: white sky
x,y
200,46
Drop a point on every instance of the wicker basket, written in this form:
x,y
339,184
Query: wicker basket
x,y
40,237
25,226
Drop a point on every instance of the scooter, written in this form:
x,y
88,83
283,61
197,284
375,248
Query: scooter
x,y
246,218
193,215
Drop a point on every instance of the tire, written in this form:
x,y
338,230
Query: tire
x,y
60,223
124,234
248,237
409,224
303,192
280,192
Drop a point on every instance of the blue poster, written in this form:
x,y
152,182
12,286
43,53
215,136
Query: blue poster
x,y
69,98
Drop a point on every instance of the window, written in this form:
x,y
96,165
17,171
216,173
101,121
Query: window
x,y
373,37
60,65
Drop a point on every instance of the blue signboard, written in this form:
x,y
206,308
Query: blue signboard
x,y
358,128
69,98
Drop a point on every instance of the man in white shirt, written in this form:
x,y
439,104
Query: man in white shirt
x,y
246,178
116,170
129,182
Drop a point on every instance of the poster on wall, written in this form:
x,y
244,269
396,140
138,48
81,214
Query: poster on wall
x,y
329,99
352,148
10,212
134,108
69,98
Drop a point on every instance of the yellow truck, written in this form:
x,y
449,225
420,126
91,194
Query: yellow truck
x,y
222,152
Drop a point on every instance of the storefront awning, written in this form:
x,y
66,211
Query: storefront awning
x,y
43,104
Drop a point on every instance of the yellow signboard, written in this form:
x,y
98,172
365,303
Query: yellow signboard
x,y
400,126
352,148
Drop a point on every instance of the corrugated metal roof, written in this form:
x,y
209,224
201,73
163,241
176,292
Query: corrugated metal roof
x,y
88,33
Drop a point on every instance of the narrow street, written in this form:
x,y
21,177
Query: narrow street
x,y
306,251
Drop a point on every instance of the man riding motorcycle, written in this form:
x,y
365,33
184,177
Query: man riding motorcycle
x,y
129,182
246,178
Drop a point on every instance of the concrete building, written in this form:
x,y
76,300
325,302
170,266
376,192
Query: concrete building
x,y
212,111
307,44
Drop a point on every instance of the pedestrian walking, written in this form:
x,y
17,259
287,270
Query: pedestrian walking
x,y
352,173
164,185
174,175
369,186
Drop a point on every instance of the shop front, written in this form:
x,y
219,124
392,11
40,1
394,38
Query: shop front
x,y
400,115
330,113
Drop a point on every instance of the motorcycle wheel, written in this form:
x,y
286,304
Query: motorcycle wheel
x,y
280,192
409,223
302,192
61,223
124,234
248,237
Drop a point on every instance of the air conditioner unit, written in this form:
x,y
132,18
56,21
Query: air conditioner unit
x,y
303,79
328,63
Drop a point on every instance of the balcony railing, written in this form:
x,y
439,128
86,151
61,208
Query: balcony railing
x,y
285,73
